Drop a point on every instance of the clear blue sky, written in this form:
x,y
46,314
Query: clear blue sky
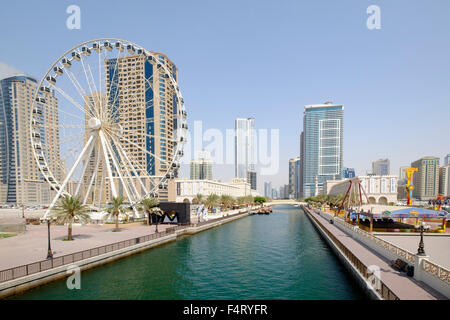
x,y
267,59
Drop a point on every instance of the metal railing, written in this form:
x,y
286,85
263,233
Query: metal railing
x,y
405,254
382,289
35,267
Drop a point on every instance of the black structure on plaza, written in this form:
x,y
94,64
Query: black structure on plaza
x,y
174,213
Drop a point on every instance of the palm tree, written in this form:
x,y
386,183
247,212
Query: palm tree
x,y
227,201
198,199
159,213
212,200
68,209
116,209
147,204
240,201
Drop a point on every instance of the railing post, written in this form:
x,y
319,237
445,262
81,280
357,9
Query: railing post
x,y
419,267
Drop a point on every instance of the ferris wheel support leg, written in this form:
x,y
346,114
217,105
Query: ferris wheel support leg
x,y
72,170
88,155
116,165
94,175
107,164
132,168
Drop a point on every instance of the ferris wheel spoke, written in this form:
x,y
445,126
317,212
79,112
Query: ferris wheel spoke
x,y
68,97
118,170
145,150
94,175
107,163
129,176
116,83
127,160
95,108
153,136
71,114
86,164
101,182
79,89
135,95
69,175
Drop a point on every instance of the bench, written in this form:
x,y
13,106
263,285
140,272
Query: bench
x,y
399,265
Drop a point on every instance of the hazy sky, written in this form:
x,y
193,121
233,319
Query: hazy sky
x,y
267,59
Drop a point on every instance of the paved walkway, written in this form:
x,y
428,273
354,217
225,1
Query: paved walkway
x,y
31,246
436,246
404,287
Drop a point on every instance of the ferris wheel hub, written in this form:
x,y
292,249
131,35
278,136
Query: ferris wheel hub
x,y
94,123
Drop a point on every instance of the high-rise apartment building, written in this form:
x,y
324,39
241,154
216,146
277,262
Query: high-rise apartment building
x,y
20,179
426,179
294,177
447,160
402,177
322,150
251,179
444,181
245,159
381,167
201,169
300,187
142,102
268,189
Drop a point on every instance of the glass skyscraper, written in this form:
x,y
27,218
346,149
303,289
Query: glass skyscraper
x,y
322,145
244,147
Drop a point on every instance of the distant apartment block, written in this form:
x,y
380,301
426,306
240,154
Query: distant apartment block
x,y
447,160
268,189
426,179
201,169
294,177
381,167
251,179
444,180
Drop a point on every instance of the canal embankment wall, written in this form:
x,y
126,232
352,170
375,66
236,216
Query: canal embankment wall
x,y
356,274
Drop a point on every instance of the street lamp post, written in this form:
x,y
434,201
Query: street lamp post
x,y
421,249
49,251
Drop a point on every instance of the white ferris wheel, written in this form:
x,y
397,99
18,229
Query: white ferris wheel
x,y
92,130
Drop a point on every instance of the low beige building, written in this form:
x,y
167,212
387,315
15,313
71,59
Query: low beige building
x,y
186,189
379,189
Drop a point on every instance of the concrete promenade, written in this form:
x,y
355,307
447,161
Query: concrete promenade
x,y
31,246
404,287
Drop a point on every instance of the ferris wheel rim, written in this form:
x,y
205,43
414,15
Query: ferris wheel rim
x,y
181,114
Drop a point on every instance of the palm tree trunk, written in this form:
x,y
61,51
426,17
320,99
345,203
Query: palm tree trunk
x,y
69,231
117,222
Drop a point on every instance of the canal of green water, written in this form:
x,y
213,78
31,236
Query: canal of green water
x,y
276,256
